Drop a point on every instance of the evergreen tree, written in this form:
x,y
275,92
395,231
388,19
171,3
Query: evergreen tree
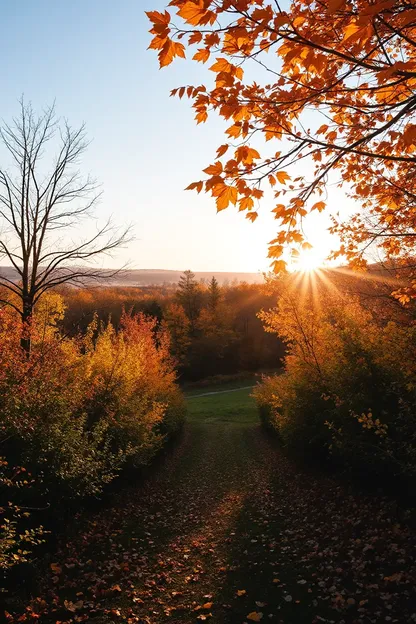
x,y
214,294
189,296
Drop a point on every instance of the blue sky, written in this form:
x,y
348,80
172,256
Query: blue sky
x,y
91,57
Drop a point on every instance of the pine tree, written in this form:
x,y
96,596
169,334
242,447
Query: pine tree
x,y
214,294
189,296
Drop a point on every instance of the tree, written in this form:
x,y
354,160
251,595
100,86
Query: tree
x,y
189,296
335,88
214,294
178,325
36,205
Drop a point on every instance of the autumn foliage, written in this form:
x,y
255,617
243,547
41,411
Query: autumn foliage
x,y
348,390
314,92
80,410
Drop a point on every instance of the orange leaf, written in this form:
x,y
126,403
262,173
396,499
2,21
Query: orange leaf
x,y
214,169
221,150
335,5
320,206
351,30
252,216
169,51
224,194
195,37
201,116
279,266
234,131
275,251
255,616
192,13
246,203
221,65
322,129
158,18
202,55
195,185
282,176
409,135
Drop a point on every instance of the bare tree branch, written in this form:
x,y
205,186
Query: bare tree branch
x,y
33,206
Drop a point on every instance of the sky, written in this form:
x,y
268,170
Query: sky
x,y
91,58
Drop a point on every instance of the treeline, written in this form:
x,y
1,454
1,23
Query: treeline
x,y
214,329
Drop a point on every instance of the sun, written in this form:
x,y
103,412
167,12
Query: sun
x,y
309,260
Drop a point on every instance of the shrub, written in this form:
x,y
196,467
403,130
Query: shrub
x,y
79,409
349,388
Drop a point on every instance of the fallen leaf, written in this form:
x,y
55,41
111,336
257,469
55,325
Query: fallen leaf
x,y
255,616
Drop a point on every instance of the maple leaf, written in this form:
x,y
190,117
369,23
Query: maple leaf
x,y
195,186
275,251
201,116
282,176
221,65
225,195
246,203
158,18
319,206
252,216
221,150
192,13
241,592
215,169
195,37
169,50
234,131
202,55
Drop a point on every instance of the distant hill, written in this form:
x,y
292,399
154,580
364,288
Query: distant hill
x,y
153,277
149,277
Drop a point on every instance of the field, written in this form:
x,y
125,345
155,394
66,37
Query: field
x,y
223,404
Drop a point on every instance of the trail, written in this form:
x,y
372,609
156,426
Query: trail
x,y
228,530
204,394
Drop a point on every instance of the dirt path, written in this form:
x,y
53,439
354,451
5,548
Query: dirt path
x,y
230,531
197,396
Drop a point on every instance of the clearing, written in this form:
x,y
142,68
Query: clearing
x,y
227,529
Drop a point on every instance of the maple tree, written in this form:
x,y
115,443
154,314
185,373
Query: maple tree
x,y
333,89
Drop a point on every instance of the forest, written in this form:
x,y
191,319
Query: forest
x,y
234,452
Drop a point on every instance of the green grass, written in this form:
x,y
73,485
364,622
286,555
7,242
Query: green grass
x,y
235,408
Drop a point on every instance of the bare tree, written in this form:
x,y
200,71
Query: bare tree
x,y
40,207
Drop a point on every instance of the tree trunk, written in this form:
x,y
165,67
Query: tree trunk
x,y
25,340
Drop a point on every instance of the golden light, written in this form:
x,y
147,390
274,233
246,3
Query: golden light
x,y
308,260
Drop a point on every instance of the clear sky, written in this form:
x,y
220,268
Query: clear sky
x,y
91,57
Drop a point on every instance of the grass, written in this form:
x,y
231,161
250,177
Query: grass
x,y
236,407
233,384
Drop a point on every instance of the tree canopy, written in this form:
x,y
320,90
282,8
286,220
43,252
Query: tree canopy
x,y
334,89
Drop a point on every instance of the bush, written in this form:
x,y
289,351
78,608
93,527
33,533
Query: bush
x,y
78,410
349,388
